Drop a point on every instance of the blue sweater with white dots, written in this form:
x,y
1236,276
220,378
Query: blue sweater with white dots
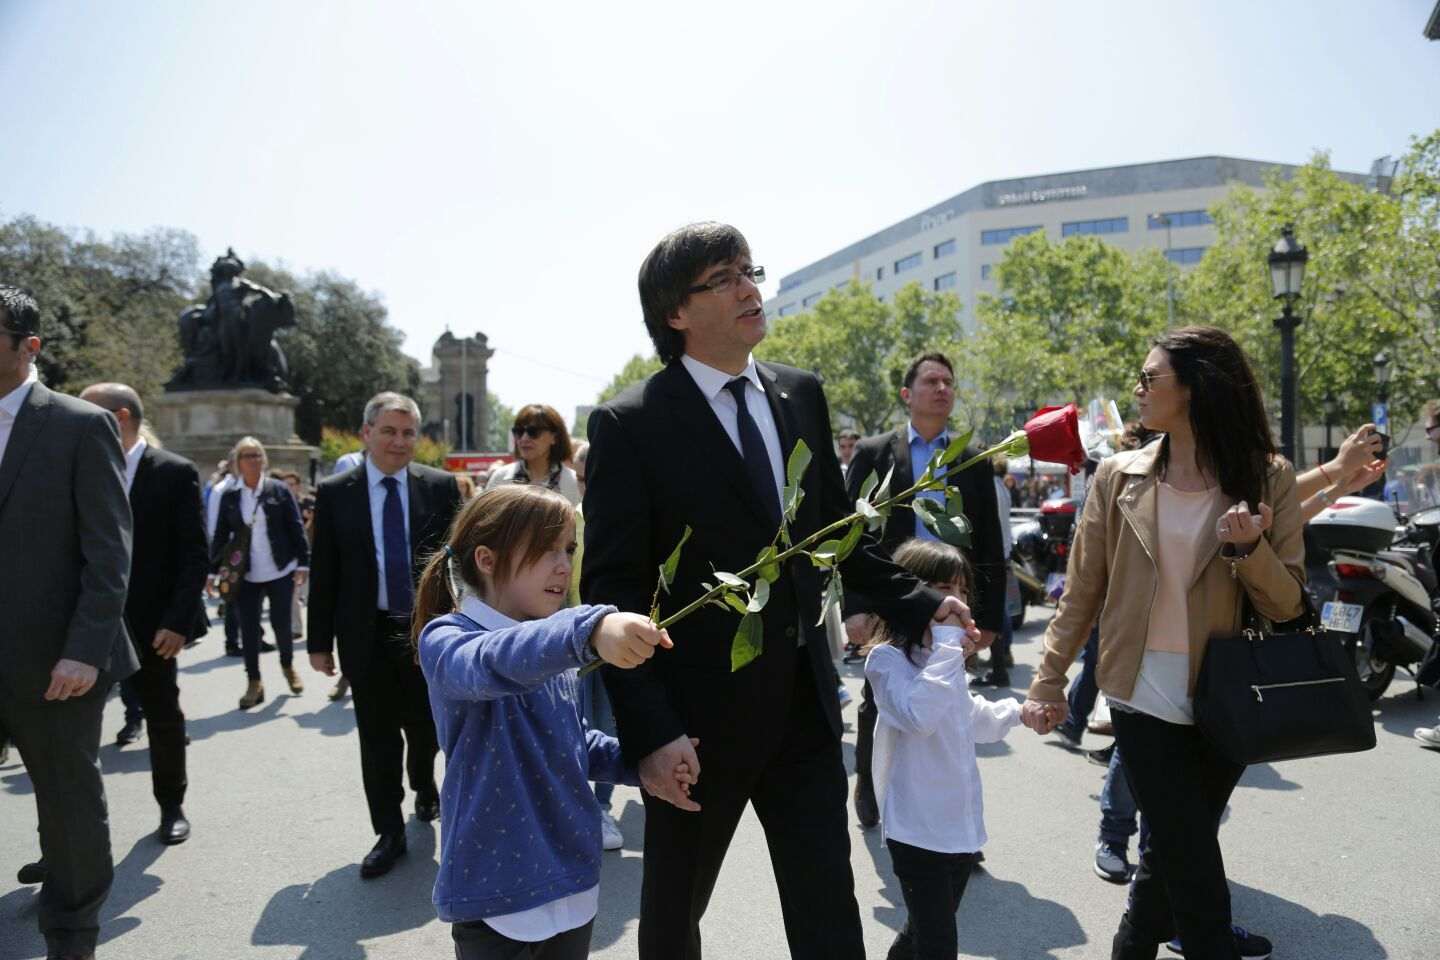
x,y
520,826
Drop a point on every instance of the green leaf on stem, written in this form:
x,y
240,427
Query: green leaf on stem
x,y
953,530
954,503
795,466
672,562
850,542
769,569
730,580
957,447
871,516
882,493
868,487
749,641
760,597
735,603
834,596
824,555
794,494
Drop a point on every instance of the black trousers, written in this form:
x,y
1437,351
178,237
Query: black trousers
x,y
1181,786
391,699
798,792
932,884
279,592
477,940
60,744
158,693
865,716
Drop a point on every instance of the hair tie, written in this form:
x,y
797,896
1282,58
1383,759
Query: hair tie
x,y
450,583
448,552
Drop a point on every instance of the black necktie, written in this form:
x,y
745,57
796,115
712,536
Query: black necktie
x,y
752,447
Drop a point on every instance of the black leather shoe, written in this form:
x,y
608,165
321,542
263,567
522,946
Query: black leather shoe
x,y
234,650
266,646
129,733
389,848
997,677
865,809
33,873
427,805
174,828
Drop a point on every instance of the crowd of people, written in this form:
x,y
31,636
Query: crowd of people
x,y
508,623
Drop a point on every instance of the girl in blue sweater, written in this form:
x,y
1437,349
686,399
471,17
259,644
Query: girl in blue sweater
x,y
520,828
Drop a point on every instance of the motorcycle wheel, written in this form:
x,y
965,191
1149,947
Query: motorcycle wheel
x,y
1375,674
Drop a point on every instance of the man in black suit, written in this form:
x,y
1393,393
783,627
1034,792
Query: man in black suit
x,y
702,445
65,531
929,395
164,609
375,525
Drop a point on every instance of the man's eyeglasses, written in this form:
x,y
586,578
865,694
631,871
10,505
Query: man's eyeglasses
x,y
532,431
1147,379
723,282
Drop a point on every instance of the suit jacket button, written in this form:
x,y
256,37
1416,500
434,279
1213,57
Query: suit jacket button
x,y
790,632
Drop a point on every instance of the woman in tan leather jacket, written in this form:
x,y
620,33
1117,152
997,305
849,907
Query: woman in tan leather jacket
x,y
1173,537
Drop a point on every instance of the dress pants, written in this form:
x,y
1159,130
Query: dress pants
x,y
391,697
865,716
1181,786
158,693
932,885
477,940
59,741
798,790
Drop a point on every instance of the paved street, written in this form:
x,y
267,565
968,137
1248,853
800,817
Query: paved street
x,y
1331,858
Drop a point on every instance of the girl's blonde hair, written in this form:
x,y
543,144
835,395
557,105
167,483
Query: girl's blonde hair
x,y
520,522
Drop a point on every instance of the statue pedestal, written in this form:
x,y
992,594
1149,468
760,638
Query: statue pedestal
x,y
203,425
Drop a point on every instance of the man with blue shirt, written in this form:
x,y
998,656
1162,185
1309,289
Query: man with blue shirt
x,y
929,395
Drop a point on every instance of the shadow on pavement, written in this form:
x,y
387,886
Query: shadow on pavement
x,y
234,719
1400,712
620,875
1264,776
332,720
330,917
1289,923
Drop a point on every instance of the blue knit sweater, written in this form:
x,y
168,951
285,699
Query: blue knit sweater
x,y
520,825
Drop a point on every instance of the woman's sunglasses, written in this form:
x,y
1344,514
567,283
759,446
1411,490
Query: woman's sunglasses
x,y
532,431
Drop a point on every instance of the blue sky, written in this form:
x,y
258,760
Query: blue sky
x,y
505,167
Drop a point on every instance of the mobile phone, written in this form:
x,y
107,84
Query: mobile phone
x,y
1384,445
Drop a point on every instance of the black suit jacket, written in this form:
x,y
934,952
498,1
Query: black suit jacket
x,y
660,461
977,487
168,560
283,527
344,578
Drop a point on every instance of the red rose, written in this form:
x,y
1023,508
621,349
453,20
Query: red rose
x,y
1054,436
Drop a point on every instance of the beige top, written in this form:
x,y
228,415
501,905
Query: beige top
x,y
1183,520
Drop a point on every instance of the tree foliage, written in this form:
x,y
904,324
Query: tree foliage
x,y
497,433
860,346
637,368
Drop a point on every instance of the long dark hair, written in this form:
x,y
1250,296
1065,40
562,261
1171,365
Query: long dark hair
x,y
546,418
931,561
1233,442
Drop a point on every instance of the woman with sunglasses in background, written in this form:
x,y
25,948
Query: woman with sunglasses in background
x,y
542,448
1173,538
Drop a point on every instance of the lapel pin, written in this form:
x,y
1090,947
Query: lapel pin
x,y
784,395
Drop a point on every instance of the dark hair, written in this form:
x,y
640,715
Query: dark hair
x,y
19,313
520,522
547,418
1136,435
672,267
913,371
1227,413
932,561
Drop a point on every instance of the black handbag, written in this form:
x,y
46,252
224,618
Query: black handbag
x,y
233,560
1281,692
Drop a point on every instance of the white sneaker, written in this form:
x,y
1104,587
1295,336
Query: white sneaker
x,y
1430,736
846,698
610,836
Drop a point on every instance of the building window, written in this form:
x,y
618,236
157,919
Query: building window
x,y
811,300
944,249
879,273
1179,218
907,263
945,281
1082,228
786,310
1185,256
985,271
1005,234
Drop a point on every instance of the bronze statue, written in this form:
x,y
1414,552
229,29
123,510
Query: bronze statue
x,y
230,341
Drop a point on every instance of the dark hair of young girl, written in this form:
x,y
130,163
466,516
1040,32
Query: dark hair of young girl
x,y
519,522
931,561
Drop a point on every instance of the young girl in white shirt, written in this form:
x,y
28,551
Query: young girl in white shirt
x,y
926,782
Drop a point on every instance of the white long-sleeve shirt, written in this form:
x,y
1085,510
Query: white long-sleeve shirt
x,y
926,780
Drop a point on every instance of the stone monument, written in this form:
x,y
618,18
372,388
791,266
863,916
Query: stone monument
x,y
233,379
453,391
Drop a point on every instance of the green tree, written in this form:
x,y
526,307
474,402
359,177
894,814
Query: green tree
x,y
637,368
501,419
860,346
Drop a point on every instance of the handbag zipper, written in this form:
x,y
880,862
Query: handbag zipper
x,y
1257,687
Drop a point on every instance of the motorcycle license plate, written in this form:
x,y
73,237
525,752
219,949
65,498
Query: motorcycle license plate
x,y
1341,617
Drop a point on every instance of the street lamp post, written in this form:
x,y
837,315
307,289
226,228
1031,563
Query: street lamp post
x,y
1327,405
1287,270
1381,414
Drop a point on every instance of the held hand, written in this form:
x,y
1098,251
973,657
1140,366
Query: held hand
x,y
1042,717
167,643
627,640
323,663
70,678
683,775
986,638
657,773
1242,528
954,607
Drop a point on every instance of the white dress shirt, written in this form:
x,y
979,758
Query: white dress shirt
x,y
132,462
10,405
926,780
262,567
712,386
376,488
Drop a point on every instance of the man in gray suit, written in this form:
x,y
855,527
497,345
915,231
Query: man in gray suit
x,y
65,527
